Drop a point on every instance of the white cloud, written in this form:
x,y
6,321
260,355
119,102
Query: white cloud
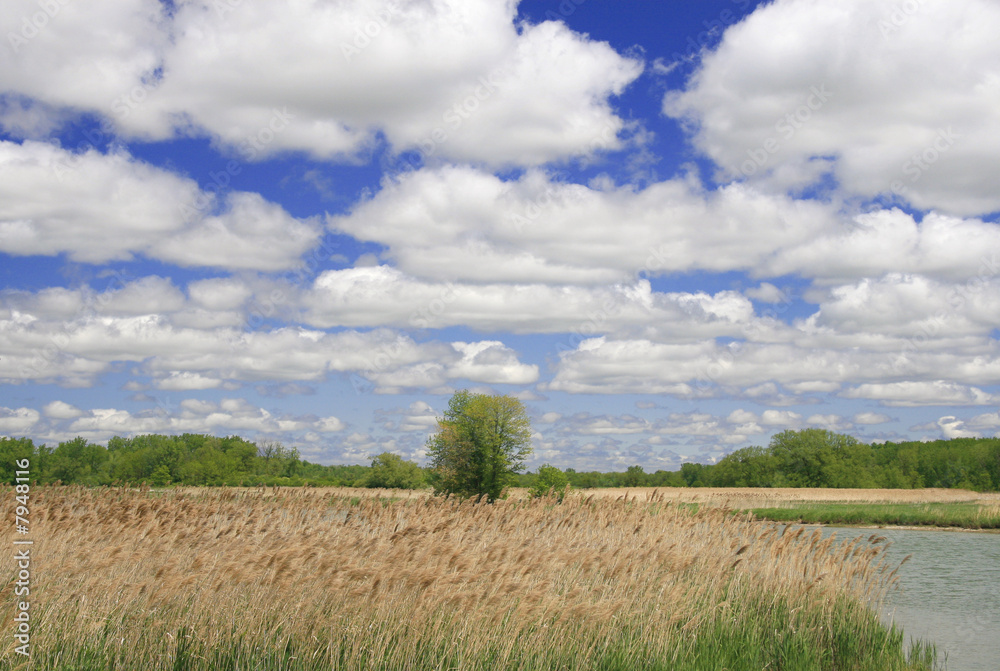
x,y
85,55
870,244
61,410
926,393
76,351
952,427
829,422
761,370
461,224
219,293
186,382
869,418
585,424
458,78
251,234
104,207
767,293
793,108
330,425
419,417
15,421
190,416
782,418
383,296
491,362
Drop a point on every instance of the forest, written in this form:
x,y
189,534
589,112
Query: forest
x,y
806,458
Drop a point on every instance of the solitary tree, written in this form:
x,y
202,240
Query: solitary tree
x,y
482,441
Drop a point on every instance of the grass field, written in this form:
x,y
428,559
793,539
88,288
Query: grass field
x,y
307,579
849,507
959,515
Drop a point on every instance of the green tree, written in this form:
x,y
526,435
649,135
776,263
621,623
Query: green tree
x,y
277,460
78,462
160,477
482,441
692,474
12,450
390,471
817,458
635,476
550,479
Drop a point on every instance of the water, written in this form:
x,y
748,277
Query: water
x,y
949,592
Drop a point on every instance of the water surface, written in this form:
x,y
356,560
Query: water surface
x,y
949,592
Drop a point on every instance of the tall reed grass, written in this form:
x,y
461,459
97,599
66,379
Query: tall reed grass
x,y
222,579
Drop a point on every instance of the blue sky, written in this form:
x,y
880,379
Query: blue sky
x,y
672,229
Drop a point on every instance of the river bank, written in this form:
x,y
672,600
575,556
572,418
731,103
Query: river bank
x,y
974,515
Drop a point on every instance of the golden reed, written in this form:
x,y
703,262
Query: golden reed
x,y
309,576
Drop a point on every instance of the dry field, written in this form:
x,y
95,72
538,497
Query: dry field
x,y
753,497
317,579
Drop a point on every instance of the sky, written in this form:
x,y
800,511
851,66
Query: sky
x,y
672,229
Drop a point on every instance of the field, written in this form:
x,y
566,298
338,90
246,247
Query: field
x,y
944,508
321,579
756,497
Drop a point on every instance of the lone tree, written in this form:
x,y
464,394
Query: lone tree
x,y
482,441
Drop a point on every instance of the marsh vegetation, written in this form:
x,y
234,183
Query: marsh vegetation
x,y
321,579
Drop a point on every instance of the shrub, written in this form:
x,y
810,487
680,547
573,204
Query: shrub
x,y
550,480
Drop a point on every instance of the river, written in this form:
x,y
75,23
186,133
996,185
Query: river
x,y
949,592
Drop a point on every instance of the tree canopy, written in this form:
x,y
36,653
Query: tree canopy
x,y
481,443
391,471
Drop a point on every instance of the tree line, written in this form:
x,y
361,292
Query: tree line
x,y
159,460
807,458
821,458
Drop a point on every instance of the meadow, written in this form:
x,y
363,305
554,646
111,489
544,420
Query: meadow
x,y
331,579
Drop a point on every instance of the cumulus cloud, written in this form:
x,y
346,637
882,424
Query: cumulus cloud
x,y
383,296
229,415
923,393
62,410
952,427
462,224
760,370
14,421
98,207
47,346
455,79
788,111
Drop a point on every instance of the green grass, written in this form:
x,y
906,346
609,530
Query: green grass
x,y
961,515
754,633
